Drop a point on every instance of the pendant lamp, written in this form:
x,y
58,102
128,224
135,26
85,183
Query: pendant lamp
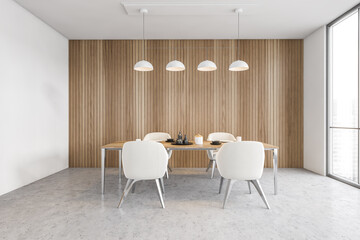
x,y
143,65
238,65
207,65
175,65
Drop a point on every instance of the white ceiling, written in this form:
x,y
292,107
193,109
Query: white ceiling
x,y
186,19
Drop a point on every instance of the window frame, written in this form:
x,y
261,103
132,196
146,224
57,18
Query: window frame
x,y
328,94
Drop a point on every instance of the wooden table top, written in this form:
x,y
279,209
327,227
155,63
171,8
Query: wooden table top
x,y
205,146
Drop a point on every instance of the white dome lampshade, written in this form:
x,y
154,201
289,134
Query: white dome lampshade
x,y
206,66
175,66
143,66
238,66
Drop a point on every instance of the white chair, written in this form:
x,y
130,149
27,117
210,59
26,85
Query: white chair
x,y
158,137
144,160
217,136
241,161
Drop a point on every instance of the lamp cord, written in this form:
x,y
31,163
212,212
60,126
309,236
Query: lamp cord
x,y
143,33
207,51
238,28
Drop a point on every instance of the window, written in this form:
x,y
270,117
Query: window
x,y
343,98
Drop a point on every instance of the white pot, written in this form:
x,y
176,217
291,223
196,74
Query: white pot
x,y
199,140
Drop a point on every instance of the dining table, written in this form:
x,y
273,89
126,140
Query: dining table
x,y
206,146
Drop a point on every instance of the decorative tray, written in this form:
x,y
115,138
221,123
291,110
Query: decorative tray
x,y
174,143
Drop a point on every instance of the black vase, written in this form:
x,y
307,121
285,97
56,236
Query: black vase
x,y
186,141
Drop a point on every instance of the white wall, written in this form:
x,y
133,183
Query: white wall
x,y
33,98
315,102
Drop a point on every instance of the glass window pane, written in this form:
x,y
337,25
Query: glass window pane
x,y
344,153
344,96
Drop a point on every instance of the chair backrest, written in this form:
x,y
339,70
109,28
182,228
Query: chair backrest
x,y
221,136
144,160
156,136
241,160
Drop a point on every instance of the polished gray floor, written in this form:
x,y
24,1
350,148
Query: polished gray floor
x,y
68,205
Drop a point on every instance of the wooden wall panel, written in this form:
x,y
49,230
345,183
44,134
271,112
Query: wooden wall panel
x,y
109,101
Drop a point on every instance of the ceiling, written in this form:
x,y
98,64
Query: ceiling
x,y
186,19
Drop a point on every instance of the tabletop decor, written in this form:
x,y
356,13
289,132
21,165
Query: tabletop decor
x,y
181,141
199,139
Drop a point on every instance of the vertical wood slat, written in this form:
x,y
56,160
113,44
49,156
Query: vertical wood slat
x,y
109,101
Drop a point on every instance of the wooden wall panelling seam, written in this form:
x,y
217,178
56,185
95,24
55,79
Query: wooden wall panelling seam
x,y
109,101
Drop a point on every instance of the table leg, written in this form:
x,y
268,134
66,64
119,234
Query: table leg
x,y
120,170
275,167
103,151
212,162
169,156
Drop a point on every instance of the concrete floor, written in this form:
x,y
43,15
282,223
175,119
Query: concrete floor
x,y
68,205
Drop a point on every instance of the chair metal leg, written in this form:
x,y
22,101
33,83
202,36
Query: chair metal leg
x,y
221,183
208,167
129,184
169,168
159,192
228,190
257,185
162,185
169,154
249,187
133,189
120,152
167,174
213,168
275,162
